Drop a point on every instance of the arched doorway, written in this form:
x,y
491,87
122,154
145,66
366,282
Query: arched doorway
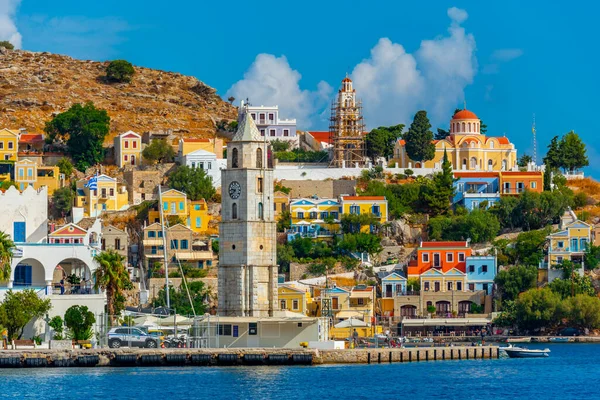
x,y
72,276
29,273
464,307
408,311
442,308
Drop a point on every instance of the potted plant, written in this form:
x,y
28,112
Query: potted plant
x,y
431,310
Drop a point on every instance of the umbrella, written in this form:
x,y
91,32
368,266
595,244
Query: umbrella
x,y
351,323
169,321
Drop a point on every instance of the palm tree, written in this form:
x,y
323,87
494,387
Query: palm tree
x,y
112,276
6,249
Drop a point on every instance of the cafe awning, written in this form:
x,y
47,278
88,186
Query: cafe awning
x,y
446,322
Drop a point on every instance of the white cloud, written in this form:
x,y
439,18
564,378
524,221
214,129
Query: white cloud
x,y
394,84
8,28
271,81
506,55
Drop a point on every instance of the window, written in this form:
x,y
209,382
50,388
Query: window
x,y
335,303
126,157
355,210
234,158
262,132
259,158
312,215
271,117
561,245
426,286
461,257
471,268
253,116
471,286
103,192
376,210
174,244
324,215
117,244
259,186
458,285
134,144
21,172
449,257
261,214
184,244
153,250
193,164
334,214
533,184
253,328
262,117
126,144
224,330
272,132
198,222
450,286
181,206
559,259
425,257
111,192
173,207
1,145
294,304
300,215
282,304
286,132
209,165
360,302
30,172
159,234
102,241
234,211
201,166
484,268
10,145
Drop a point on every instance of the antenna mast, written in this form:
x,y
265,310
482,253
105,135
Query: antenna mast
x,y
534,141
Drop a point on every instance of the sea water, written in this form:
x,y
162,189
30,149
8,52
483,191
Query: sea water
x,y
571,372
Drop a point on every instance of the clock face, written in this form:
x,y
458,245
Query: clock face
x,y
235,189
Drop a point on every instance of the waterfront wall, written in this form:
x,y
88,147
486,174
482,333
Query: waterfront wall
x,y
247,356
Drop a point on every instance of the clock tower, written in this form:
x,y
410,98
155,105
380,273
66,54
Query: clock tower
x,y
247,233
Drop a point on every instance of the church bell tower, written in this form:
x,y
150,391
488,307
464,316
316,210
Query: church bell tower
x,y
247,233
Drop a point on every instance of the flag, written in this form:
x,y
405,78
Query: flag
x,y
92,183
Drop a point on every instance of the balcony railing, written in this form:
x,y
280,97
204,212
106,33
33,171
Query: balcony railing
x,y
512,190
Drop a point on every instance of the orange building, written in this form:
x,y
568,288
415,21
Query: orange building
x,y
442,256
516,182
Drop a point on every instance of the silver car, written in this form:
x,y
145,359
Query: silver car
x,y
130,337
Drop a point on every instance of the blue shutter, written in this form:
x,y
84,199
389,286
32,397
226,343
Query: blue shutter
x,y
28,275
19,232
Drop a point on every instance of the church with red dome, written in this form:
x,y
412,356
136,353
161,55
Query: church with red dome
x,y
467,148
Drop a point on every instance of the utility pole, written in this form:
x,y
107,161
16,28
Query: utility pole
x,y
166,257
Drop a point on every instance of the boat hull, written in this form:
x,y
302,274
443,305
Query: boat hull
x,y
513,353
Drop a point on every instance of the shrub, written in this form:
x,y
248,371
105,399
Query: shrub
x,y
6,44
120,71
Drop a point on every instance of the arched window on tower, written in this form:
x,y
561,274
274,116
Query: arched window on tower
x,y
259,158
490,164
234,211
261,214
463,127
492,144
469,127
464,163
477,127
234,158
504,165
473,163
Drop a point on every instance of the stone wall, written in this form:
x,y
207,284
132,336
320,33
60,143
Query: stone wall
x,y
323,189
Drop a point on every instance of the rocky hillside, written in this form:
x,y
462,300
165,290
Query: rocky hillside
x,y
34,86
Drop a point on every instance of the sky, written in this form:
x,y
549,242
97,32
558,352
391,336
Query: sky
x,y
507,60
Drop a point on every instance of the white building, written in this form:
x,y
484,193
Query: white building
x,y
270,125
208,162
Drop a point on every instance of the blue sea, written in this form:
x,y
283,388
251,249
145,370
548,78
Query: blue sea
x,y
570,372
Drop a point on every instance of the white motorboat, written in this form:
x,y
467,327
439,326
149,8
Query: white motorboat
x,y
522,352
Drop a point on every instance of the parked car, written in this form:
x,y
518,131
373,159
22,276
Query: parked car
x,y
569,332
131,337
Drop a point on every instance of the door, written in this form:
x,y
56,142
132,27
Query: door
x,y
436,286
22,275
19,232
132,159
334,303
388,290
436,260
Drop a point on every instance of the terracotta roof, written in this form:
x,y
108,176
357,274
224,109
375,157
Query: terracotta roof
x,y
321,136
363,197
501,140
196,140
130,136
402,142
444,244
476,174
31,138
346,79
518,173
465,114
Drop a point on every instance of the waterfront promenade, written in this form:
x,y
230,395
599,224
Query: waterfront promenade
x,y
250,356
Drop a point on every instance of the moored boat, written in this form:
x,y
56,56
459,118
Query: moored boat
x,y
522,352
518,340
559,340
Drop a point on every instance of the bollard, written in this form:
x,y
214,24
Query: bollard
x,y
390,357
368,358
452,354
378,358
402,357
410,356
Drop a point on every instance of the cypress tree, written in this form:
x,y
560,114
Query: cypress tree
x,y
419,139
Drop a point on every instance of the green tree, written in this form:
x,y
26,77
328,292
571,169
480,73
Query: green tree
x,y
528,248
537,308
524,160
18,308
582,310
568,268
362,243
159,151
112,276
572,153
570,287
380,141
180,301
553,155
280,145
58,325
285,255
441,134
413,285
192,181
322,267
120,71
592,256
83,128
65,167
7,45
62,200
79,320
439,197
6,253
285,221
419,139
515,280
352,223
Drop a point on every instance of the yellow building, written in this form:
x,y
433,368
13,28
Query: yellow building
x,y
467,148
280,202
198,218
314,218
293,299
174,204
374,205
8,144
189,145
28,173
105,194
128,149
570,243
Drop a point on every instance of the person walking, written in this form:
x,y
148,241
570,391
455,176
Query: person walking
x,y
355,338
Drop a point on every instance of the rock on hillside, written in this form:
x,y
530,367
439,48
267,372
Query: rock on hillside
x,y
34,86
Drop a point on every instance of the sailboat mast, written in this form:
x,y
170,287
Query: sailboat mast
x,y
166,256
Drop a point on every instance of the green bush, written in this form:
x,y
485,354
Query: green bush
x,y
6,44
120,71
299,155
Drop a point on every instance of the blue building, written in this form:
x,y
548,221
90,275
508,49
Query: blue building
x,y
271,126
393,285
471,189
481,271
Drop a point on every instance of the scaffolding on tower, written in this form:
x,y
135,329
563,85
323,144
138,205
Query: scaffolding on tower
x,y
346,133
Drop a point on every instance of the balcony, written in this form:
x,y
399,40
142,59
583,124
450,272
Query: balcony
x,y
193,255
513,190
153,242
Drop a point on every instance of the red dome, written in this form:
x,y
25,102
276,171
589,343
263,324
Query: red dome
x,y
465,114
346,79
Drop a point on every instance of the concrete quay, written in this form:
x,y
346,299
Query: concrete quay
x,y
229,357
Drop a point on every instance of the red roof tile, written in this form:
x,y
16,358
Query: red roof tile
x,y
444,244
476,174
465,114
31,138
363,198
131,136
196,140
501,139
324,137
